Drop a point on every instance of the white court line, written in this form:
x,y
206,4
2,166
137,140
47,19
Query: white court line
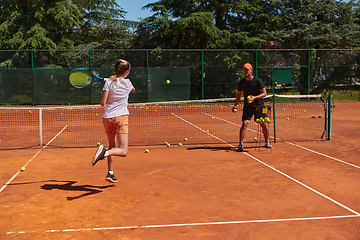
x,y
278,171
188,224
11,179
324,155
214,223
296,145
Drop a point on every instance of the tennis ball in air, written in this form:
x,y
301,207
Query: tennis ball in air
x,y
185,139
167,81
304,111
60,113
234,110
22,169
212,117
180,144
146,150
98,143
255,138
287,119
207,131
168,144
29,111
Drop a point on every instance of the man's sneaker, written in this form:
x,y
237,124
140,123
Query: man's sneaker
x,y
111,178
268,144
240,148
99,155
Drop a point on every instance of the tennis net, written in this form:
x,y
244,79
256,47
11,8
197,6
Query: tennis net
x,y
296,118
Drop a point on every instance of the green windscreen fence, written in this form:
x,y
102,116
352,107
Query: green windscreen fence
x,y
50,86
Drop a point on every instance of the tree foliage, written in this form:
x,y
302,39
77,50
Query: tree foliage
x,y
315,24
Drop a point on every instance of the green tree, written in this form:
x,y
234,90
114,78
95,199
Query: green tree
x,y
44,24
31,24
204,24
315,24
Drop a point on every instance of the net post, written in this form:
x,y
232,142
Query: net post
x,y
40,126
274,119
330,107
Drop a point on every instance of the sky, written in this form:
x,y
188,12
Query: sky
x,y
133,7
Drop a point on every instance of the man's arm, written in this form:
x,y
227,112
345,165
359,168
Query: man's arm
x,y
237,100
261,95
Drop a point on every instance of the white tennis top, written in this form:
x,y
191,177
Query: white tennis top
x,y
117,101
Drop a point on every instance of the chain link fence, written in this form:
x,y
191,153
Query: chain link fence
x,y
39,77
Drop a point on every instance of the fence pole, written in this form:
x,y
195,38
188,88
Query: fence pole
x,y
202,74
309,66
32,77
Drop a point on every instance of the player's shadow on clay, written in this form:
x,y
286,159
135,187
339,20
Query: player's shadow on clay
x,y
227,149
69,186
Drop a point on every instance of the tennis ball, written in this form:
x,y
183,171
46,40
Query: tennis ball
x,y
167,81
168,144
304,111
205,146
98,143
287,119
22,169
234,110
60,113
258,120
284,109
207,131
146,150
185,139
212,117
248,97
96,114
255,138
180,144
29,111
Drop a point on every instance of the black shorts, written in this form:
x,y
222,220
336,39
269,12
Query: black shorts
x,y
258,111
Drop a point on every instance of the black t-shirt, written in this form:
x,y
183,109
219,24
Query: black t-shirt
x,y
253,88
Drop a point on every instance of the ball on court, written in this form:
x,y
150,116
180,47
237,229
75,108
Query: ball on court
x,y
98,143
255,138
180,144
167,81
146,150
22,169
185,139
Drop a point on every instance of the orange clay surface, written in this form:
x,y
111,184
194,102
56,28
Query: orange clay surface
x,y
189,192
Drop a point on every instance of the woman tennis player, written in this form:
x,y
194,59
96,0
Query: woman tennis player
x,y
115,97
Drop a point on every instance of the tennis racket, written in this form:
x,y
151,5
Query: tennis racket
x,y
81,78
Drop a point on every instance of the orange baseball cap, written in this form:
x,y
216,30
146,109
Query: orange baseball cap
x,y
247,66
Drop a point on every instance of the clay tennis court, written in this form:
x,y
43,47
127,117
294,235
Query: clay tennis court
x,y
299,190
